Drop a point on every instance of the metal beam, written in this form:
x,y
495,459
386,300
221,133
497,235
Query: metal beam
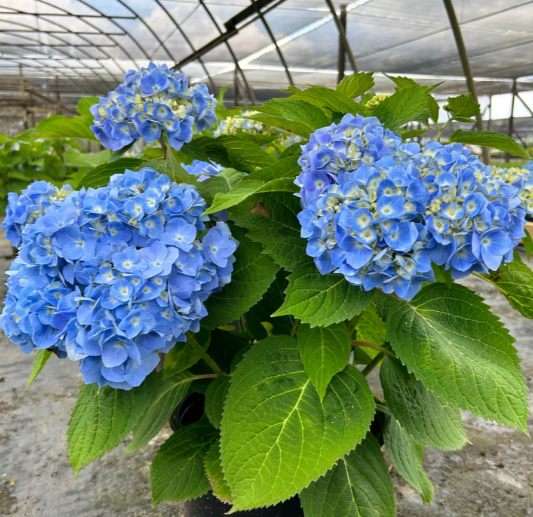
x,y
342,35
342,52
510,127
461,49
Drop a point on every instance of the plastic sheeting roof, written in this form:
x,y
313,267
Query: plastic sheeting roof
x,y
80,47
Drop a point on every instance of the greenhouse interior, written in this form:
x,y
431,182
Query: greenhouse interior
x,y
287,244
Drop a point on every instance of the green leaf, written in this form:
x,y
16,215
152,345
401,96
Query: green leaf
x,y
251,277
515,281
354,85
173,169
406,455
40,360
273,223
277,436
490,139
358,486
184,355
333,100
527,241
73,158
413,133
428,419
433,108
213,469
221,183
177,472
214,400
325,351
322,299
404,106
247,188
84,104
463,107
371,328
243,154
101,419
286,167
99,176
450,340
293,126
166,394
58,126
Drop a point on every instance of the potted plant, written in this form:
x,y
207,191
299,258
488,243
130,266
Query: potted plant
x,y
268,278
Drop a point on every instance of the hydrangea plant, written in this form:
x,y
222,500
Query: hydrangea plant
x,y
349,248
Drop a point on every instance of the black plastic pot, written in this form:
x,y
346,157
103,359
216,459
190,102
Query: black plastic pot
x,y
190,410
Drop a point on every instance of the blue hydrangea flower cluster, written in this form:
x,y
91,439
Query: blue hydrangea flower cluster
x,y
111,276
203,170
380,212
522,179
26,207
151,101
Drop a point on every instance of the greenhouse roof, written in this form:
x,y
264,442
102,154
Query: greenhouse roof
x,y
71,48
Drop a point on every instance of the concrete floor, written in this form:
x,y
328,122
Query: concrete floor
x,y
491,477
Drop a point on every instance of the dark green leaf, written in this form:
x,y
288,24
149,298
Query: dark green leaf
x,y
527,241
40,360
332,100
358,486
463,107
184,355
490,139
354,85
251,277
428,419
413,133
99,176
274,419
450,340
214,400
177,472
221,183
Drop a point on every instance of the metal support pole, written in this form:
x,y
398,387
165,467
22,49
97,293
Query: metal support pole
x,y
461,49
235,88
342,35
23,97
510,127
524,103
58,96
342,52
490,114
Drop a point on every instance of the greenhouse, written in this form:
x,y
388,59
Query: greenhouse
x,y
269,258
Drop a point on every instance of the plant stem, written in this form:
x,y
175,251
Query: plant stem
x,y
374,346
208,359
163,146
294,327
441,130
372,364
353,323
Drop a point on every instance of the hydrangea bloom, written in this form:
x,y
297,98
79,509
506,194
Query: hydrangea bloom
x,y
522,179
203,170
379,212
28,206
113,275
150,101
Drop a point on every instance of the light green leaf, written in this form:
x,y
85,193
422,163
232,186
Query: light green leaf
x,y
41,358
214,400
247,188
274,419
272,221
354,85
213,469
403,106
74,158
101,419
58,126
450,340
184,355
166,394
371,328
515,281
428,419
406,455
285,167
84,104
490,139
463,107
325,351
412,133
293,126
99,176
333,100
358,486
527,241
322,299
177,472
243,154
251,277
220,184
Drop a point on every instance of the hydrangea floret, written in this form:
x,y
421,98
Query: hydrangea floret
x,y
109,277
150,102
26,207
522,179
380,212
204,170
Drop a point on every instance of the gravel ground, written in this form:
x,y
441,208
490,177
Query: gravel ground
x,y
491,477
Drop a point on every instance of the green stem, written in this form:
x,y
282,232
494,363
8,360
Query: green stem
x,y
163,146
374,346
372,364
242,324
208,359
294,327
441,130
